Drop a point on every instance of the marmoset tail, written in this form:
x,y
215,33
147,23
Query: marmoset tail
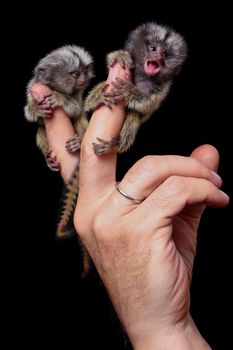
x,y
65,227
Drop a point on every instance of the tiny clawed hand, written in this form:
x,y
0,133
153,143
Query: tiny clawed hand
x,y
120,90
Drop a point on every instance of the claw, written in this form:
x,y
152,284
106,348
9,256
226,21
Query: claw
x,y
113,141
48,94
121,81
105,87
52,162
50,100
48,113
108,94
122,65
73,144
40,101
45,113
99,149
104,146
46,106
109,103
102,141
54,167
116,85
113,63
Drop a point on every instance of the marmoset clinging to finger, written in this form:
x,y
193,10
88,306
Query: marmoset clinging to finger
x,y
67,72
155,54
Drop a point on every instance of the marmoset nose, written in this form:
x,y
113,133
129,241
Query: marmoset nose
x,y
82,79
159,55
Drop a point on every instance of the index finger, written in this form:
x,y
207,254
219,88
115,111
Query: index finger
x,y
97,173
59,129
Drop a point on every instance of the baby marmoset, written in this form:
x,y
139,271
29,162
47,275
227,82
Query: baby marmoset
x,y
155,54
67,72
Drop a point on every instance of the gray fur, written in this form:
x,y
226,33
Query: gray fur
x,y
67,72
57,69
155,54
154,34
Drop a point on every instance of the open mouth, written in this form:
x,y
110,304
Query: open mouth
x,y
152,67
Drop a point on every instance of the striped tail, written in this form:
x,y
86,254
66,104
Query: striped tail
x,y
86,260
65,227
65,224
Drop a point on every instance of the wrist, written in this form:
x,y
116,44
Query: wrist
x,y
184,336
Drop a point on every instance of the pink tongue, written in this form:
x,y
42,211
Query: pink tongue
x,y
150,67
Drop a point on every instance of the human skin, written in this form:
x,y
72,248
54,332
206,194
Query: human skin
x,y
144,253
58,130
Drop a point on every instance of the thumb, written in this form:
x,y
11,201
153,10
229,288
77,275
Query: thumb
x,y
208,155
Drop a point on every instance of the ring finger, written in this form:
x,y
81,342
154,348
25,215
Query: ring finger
x,y
149,172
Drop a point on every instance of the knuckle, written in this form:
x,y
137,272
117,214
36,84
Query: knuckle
x,y
159,201
147,163
100,227
209,187
172,188
196,165
97,227
133,179
175,185
81,226
106,227
98,224
195,162
141,168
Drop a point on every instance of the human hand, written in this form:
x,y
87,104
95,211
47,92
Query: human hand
x,y
144,252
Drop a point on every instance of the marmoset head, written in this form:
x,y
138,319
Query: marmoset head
x,y
67,70
158,51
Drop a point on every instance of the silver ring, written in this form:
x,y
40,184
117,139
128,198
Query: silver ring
x,y
123,193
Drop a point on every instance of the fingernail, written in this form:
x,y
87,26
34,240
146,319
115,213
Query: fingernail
x,y
225,195
218,180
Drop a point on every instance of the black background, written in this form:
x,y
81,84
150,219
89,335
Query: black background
x,y
48,304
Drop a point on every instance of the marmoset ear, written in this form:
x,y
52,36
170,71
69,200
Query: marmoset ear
x,y
42,74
